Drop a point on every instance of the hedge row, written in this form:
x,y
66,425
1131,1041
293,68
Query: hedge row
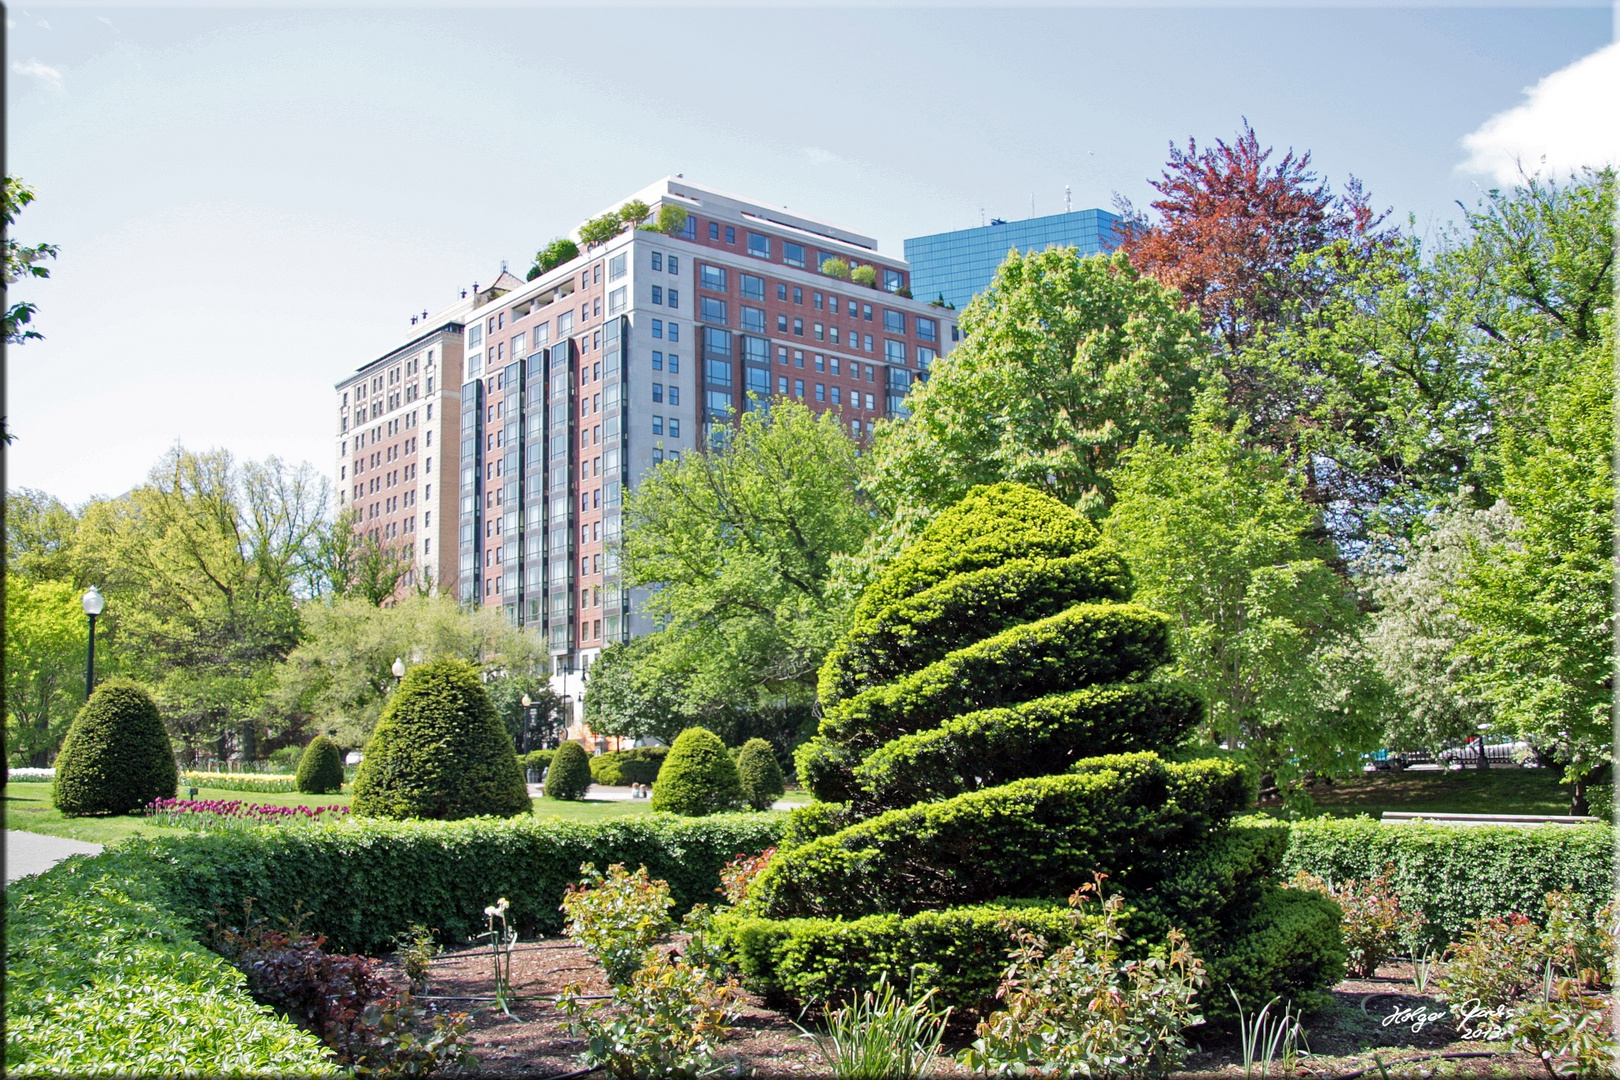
x,y
1088,643
621,768
993,524
1456,875
1038,837
1033,738
104,978
918,630
364,881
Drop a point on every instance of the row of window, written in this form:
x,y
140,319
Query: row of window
x,y
672,429
760,246
658,392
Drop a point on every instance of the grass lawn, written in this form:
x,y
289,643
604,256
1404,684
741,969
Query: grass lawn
x,y
1462,791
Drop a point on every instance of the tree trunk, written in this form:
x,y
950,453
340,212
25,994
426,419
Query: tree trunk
x,y
1577,799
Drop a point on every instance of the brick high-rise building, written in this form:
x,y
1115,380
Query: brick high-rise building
x,y
578,382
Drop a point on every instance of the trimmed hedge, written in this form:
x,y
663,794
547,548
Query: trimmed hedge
x,y
116,757
439,751
914,632
621,768
570,775
1457,875
759,774
320,770
104,977
1038,837
698,777
1033,738
366,881
538,760
1088,643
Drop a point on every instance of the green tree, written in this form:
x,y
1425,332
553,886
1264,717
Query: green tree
x,y
738,544
46,634
864,274
506,692
568,776
116,757
836,268
553,255
351,562
759,773
20,261
320,770
634,212
1267,634
40,535
1066,363
599,230
633,693
698,777
671,219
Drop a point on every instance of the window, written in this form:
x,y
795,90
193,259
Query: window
x,y
817,298
798,295
658,425
927,329
596,273
832,334
674,328
658,454
821,362
674,363
712,310
894,351
616,267
751,286
731,235
835,395
824,257
658,260
674,432
781,293
712,277
954,334
674,396
565,324
714,230
658,391
759,246
596,307
717,372
674,264
926,357
870,404
894,322
798,327
818,332
798,358
658,294
798,388
616,300
821,391
756,350
793,254
753,318
781,324
893,280
658,360
782,384
866,342
716,341
475,339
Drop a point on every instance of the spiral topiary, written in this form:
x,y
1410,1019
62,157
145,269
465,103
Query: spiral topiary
x,y
439,751
761,776
698,776
320,770
569,775
116,757
989,736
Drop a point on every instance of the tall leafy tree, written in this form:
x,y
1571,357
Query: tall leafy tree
x,y
19,261
1066,363
40,532
46,635
1218,537
738,543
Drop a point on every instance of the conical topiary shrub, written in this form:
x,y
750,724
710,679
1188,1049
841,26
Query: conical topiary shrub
x,y
320,770
698,777
116,757
439,751
989,735
759,773
569,775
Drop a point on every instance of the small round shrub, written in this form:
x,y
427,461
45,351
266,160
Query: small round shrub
x,y
320,770
698,777
570,773
116,757
760,775
439,751
620,768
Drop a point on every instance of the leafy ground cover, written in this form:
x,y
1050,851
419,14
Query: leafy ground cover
x,y
28,807
1459,791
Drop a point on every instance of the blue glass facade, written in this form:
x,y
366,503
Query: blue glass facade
x,y
959,265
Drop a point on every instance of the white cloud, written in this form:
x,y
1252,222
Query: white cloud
x,y
1570,120
47,75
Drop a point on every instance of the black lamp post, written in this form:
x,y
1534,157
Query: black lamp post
x,y
93,603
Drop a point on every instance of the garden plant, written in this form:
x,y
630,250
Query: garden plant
x,y
569,774
320,770
698,777
759,773
990,741
116,757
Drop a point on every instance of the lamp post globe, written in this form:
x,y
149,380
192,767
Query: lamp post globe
x,y
94,603
398,669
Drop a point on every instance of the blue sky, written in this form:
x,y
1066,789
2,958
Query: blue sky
x,y
252,203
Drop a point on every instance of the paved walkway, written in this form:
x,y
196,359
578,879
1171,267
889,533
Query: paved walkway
x,y
598,793
32,853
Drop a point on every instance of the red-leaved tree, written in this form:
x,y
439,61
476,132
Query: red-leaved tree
x,y
1230,225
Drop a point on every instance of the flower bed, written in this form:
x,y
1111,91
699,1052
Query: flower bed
x,y
218,813
30,776
224,781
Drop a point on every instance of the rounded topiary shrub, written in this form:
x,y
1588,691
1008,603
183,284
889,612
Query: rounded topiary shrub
x,y
570,773
116,756
698,776
439,751
760,775
320,770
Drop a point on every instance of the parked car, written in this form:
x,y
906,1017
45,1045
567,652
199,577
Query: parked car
x,y
1395,760
1497,755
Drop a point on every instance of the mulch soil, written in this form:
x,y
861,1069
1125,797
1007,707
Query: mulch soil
x,y
1363,1032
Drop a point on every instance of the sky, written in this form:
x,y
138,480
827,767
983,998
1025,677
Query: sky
x,y
251,203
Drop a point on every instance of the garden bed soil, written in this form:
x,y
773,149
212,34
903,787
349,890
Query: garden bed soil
x,y
1351,1034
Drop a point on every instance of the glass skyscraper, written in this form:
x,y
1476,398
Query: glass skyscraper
x,y
959,265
